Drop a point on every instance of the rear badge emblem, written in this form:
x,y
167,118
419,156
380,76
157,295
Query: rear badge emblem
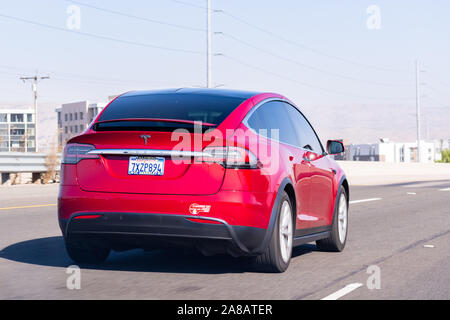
x,y
199,208
145,137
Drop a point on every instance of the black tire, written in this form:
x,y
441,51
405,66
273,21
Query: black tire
x,y
333,243
271,260
87,252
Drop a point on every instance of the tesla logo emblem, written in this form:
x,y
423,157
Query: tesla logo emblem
x,y
145,137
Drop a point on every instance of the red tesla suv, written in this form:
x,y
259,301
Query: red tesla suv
x,y
221,171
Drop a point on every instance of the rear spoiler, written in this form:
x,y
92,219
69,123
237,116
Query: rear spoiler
x,y
159,120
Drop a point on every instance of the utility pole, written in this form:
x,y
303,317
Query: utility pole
x,y
35,80
418,110
208,46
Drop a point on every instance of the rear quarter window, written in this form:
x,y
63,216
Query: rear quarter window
x,y
272,116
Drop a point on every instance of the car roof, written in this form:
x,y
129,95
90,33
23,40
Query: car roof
x,y
197,91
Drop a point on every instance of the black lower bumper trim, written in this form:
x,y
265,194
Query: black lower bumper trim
x,y
123,231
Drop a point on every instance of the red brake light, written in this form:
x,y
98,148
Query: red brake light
x,y
203,221
75,152
88,216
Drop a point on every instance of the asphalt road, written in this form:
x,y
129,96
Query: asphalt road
x,y
404,230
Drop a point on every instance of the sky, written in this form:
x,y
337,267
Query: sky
x,y
349,65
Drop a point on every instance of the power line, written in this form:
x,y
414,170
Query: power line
x,y
292,42
302,46
190,4
101,81
442,83
76,77
304,83
73,75
136,17
10,73
433,75
437,91
208,30
443,105
447,94
307,66
199,52
146,45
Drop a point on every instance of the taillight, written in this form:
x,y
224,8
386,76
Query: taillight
x,y
75,152
231,157
88,216
204,221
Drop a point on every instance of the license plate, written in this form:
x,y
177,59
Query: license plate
x,y
148,166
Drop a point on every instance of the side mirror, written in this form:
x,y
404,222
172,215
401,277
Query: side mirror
x,y
335,147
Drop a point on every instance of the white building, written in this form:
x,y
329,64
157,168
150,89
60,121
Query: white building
x,y
17,130
74,118
387,151
441,145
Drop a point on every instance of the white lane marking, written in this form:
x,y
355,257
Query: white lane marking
x,y
365,200
411,193
421,184
32,206
342,292
445,189
428,246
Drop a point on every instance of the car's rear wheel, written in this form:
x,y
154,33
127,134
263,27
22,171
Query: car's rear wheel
x,y
278,254
339,227
86,251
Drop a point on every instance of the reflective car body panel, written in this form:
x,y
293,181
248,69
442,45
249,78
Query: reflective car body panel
x,y
240,197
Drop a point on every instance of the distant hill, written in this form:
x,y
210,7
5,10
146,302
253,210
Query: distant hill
x,y
354,123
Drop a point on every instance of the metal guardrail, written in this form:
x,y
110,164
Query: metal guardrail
x,y
15,162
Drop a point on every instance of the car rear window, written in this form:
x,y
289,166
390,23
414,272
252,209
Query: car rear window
x,y
153,125
177,106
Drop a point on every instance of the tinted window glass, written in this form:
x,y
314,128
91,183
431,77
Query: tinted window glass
x,y
193,107
124,125
254,122
272,115
306,135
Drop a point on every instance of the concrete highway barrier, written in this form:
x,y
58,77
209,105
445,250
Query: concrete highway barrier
x,y
358,172
378,173
22,163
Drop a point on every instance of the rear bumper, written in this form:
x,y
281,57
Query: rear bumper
x,y
122,231
237,222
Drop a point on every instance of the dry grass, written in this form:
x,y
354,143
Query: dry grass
x,y
51,163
